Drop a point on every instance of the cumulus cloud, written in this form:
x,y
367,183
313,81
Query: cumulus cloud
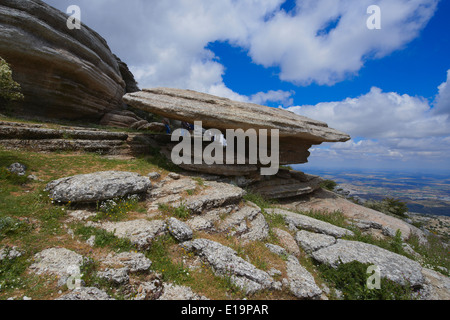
x,y
442,104
386,126
322,41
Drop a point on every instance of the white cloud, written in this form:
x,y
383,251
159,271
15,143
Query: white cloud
x,y
164,42
385,126
442,104
308,51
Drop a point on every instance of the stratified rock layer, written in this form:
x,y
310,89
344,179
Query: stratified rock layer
x,y
63,73
297,133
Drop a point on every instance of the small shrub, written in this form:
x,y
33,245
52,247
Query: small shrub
x,y
389,206
329,185
117,209
180,212
104,238
12,178
9,89
11,226
351,278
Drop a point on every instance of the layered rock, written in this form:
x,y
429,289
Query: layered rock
x,y
63,73
297,133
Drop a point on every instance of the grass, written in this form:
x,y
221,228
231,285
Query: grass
x,y
104,239
180,212
351,279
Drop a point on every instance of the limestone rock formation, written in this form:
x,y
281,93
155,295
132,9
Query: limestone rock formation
x,y
297,133
99,186
63,73
226,262
393,266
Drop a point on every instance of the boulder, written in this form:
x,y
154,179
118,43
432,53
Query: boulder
x,y
297,133
99,186
17,169
63,73
301,282
393,266
311,242
226,262
179,230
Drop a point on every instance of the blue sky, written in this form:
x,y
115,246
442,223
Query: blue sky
x,y
389,88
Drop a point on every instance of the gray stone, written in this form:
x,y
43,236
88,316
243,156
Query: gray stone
x,y
134,261
17,169
154,175
247,223
140,232
436,287
10,253
57,261
115,276
84,294
311,242
301,282
297,133
226,262
65,74
100,186
393,266
179,230
276,249
310,224
287,241
174,176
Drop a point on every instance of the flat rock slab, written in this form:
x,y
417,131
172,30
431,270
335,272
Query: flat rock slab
x,y
311,224
99,186
134,261
221,113
140,232
311,242
58,261
226,262
213,195
301,282
327,201
247,223
393,266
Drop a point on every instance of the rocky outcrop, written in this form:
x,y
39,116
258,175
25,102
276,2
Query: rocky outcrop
x,y
366,218
42,138
226,262
128,119
297,134
99,186
310,224
286,184
57,261
63,73
393,266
